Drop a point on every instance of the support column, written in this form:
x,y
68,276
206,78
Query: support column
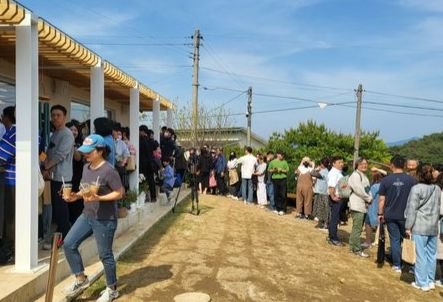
x,y
156,118
170,118
26,194
97,92
134,111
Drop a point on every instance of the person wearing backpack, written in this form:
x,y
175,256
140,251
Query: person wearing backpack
x,y
335,201
358,204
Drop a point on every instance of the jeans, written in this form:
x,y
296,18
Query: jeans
x,y
357,225
47,222
280,191
396,230
221,184
60,209
103,231
335,207
270,193
246,189
426,259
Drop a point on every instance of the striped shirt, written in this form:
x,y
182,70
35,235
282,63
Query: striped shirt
x,y
7,155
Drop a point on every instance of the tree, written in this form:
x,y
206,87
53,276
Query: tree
x,y
427,149
213,125
316,141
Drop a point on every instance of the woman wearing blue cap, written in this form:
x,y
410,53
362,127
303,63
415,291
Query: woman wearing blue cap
x,y
100,189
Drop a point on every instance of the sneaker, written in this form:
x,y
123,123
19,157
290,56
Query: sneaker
x,y
316,219
281,213
108,295
335,242
431,285
229,196
438,283
396,269
423,288
361,254
235,197
76,287
275,212
365,245
324,229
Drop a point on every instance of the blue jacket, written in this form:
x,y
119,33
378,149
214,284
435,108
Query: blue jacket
x,y
220,164
168,175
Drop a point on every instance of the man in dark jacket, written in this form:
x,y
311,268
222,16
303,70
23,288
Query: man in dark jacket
x,y
220,168
146,160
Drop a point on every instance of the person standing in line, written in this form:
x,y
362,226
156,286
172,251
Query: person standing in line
x,y
268,181
58,166
335,202
121,155
371,219
234,180
279,169
358,203
394,193
261,185
422,225
99,218
220,168
321,198
76,208
248,163
103,126
204,168
7,186
304,189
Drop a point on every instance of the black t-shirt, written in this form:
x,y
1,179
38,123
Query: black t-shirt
x,y
396,188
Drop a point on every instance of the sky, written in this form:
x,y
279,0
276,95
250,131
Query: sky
x,y
293,53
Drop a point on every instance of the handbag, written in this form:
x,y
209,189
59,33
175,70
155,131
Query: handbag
x,y
233,177
41,183
130,164
212,181
408,251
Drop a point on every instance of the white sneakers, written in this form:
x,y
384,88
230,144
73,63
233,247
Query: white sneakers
x,y
108,295
76,287
423,288
281,213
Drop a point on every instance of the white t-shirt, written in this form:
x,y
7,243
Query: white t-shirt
x,y
261,168
334,176
248,163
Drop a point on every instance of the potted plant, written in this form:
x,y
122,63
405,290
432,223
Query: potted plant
x,y
143,189
124,204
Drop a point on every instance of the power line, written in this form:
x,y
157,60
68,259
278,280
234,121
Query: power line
x,y
281,81
232,75
135,44
229,101
403,106
394,111
405,97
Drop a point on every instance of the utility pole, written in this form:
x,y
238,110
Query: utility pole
x,y
359,92
196,58
249,115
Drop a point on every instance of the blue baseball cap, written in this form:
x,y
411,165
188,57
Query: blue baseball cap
x,y
91,142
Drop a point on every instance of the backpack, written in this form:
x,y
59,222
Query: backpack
x,y
343,188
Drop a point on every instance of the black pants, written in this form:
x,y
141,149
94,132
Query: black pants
x,y
221,184
9,227
280,192
60,210
151,183
335,207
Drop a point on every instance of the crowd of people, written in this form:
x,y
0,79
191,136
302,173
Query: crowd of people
x,y
405,197
85,169
84,173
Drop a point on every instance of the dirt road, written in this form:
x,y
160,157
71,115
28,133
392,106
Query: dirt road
x,y
235,252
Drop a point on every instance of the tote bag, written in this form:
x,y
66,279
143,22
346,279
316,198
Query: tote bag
x,y
233,177
130,165
212,181
408,251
